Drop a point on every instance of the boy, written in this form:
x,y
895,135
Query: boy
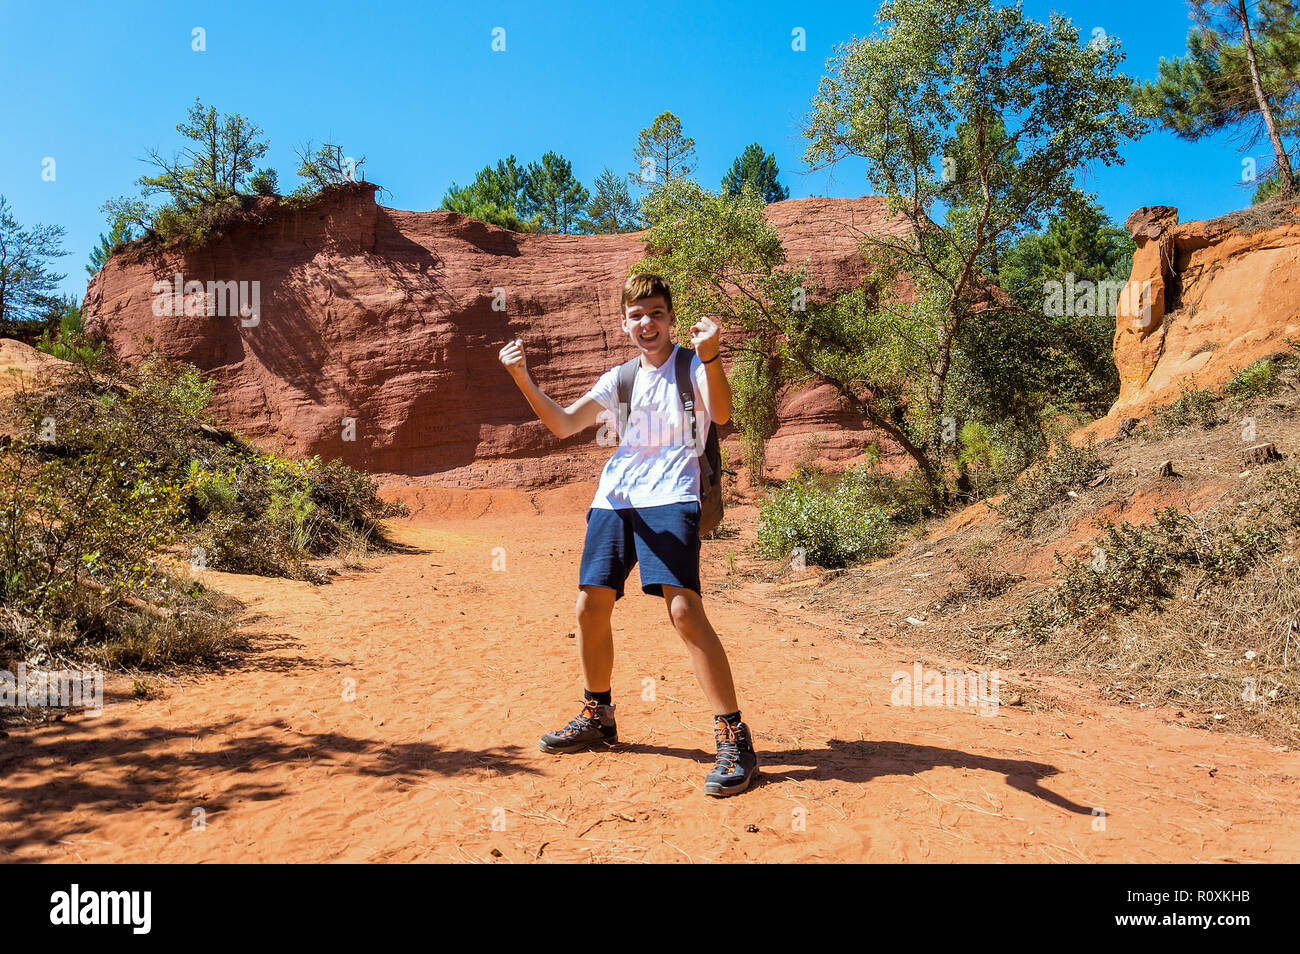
x,y
647,509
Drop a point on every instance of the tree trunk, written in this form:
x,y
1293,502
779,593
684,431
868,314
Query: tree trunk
x,y
933,479
1285,174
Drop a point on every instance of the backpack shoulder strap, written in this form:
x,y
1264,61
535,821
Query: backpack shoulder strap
x,y
686,390
626,381
685,384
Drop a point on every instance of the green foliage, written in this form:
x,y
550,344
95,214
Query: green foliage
x,y
26,281
265,182
1135,567
78,579
119,234
1195,407
612,210
1258,379
243,510
1212,88
994,117
1270,187
1067,468
176,387
552,193
833,527
662,154
323,168
754,380
990,456
495,196
209,185
203,186
71,342
759,167
214,169
1038,361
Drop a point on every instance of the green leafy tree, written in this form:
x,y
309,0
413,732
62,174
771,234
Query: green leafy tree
x,y
1023,366
215,168
329,165
551,191
119,234
202,184
754,165
26,277
939,73
1241,73
495,196
662,153
612,209
1082,242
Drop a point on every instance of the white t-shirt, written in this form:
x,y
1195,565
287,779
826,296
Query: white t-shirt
x,y
655,462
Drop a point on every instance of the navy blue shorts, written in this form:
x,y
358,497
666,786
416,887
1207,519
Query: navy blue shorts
x,y
665,539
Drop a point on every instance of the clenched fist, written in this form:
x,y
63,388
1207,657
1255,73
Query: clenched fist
x,y
512,357
704,338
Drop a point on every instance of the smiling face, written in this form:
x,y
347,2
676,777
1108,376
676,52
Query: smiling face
x,y
649,324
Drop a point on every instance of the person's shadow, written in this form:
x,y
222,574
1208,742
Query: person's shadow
x,y
866,760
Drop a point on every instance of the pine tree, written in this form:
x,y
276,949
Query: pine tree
x,y
495,196
26,280
551,191
612,209
101,253
759,167
1241,72
662,153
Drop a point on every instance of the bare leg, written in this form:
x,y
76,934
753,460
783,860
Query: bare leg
x,y
686,610
595,636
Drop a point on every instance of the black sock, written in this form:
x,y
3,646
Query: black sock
x,y
732,717
601,698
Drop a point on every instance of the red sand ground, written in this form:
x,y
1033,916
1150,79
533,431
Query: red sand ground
x,y
458,669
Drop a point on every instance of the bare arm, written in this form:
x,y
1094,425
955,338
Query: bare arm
x,y
716,393
561,421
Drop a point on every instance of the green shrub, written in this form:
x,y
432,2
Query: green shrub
x,y
78,575
245,510
1253,380
71,342
176,387
1136,566
1194,408
834,527
264,182
1047,483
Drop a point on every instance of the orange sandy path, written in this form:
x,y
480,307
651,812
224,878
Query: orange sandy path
x,y
459,668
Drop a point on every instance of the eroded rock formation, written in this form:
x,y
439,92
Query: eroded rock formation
x,y
1210,298
371,334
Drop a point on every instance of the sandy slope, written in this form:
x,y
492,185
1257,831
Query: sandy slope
x,y
458,669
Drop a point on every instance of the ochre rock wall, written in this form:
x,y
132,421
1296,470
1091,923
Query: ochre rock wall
x,y
1223,293
386,317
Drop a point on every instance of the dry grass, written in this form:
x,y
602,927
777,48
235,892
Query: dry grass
x,y
1206,621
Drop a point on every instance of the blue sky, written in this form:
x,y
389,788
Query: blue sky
x,y
417,90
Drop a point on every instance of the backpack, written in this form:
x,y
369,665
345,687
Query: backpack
x,y
711,458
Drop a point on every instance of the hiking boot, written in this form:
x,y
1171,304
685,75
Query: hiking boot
x,y
737,763
593,726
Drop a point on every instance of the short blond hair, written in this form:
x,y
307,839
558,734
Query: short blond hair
x,y
645,285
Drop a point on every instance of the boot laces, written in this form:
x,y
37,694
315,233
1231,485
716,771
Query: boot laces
x,y
729,739
589,716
